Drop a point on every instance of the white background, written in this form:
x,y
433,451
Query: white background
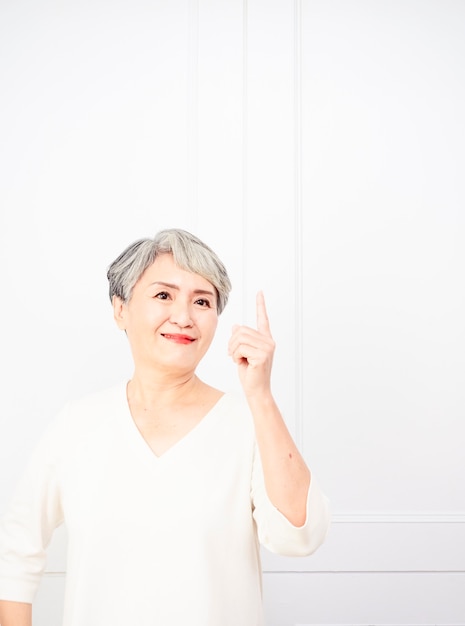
x,y
318,147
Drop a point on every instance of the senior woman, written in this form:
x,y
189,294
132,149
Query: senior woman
x,y
166,484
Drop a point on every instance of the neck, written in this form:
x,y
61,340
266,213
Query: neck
x,y
150,391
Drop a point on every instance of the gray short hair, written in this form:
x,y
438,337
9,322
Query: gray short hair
x,y
189,253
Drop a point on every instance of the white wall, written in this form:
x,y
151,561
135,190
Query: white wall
x,y
318,146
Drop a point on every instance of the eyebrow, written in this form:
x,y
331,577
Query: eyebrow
x,y
172,286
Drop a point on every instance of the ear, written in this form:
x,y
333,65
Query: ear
x,y
119,312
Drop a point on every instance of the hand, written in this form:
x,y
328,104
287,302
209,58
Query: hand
x,y
253,351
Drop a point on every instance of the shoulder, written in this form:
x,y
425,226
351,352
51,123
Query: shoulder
x,y
235,403
98,401
77,423
88,413
234,410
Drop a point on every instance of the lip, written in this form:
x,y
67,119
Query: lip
x,y
176,338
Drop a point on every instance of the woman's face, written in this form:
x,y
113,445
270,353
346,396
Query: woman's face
x,y
170,319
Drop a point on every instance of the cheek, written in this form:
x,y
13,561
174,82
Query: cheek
x,y
213,327
208,326
145,323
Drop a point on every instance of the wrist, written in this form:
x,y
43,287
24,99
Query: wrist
x,y
261,402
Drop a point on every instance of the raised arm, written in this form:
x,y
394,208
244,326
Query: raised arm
x,y
15,613
287,477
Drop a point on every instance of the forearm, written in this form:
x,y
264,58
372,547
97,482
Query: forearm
x,y
15,613
287,477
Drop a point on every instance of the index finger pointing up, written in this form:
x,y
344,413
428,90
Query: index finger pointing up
x,y
263,324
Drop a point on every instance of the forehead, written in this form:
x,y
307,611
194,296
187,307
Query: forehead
x,y
164,269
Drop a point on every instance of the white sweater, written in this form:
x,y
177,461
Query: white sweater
x,y
152,541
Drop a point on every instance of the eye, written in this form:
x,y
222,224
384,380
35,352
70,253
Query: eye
x,y
203,302
162,295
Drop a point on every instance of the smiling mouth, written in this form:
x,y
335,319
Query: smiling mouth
x,y
185,339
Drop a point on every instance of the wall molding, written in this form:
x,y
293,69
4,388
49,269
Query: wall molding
x,y
399,517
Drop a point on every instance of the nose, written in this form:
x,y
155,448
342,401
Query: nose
x,y
181,314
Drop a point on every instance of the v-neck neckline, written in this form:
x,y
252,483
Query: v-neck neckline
x,y
187,438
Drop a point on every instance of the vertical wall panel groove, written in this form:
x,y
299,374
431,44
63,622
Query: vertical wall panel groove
x,y
193,111
245,111
299,356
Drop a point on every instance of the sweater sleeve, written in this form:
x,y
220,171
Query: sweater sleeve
x,y
275,532
25,531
